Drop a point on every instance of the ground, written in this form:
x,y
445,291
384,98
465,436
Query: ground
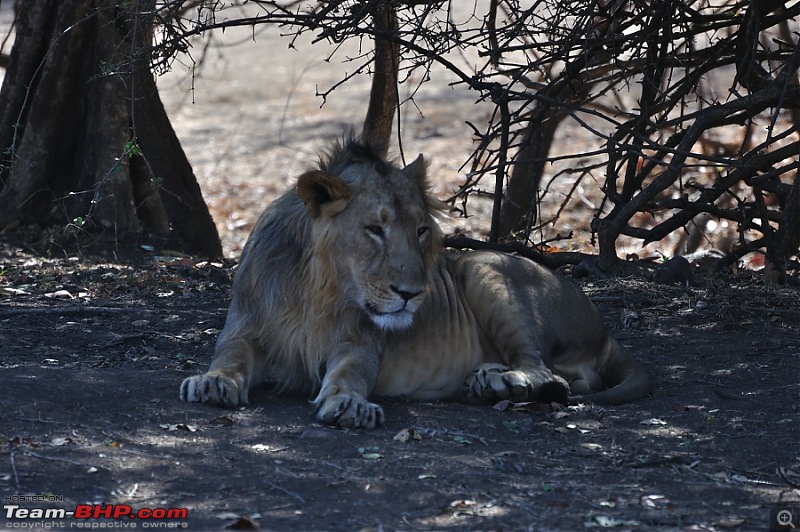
x,y
93,349
95,340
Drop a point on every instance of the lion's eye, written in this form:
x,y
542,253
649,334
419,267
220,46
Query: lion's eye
x,y
375,230
423,230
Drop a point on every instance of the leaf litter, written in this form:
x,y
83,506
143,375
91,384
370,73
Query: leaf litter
x,y
525,466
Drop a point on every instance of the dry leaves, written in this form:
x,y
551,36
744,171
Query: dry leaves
x,y
407,435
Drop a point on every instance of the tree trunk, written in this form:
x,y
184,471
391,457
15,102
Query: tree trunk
x,y
519,210
85,137
383,99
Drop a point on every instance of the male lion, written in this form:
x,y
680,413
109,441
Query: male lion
x,y
343,290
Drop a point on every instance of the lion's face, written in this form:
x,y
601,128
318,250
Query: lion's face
x,y
374,234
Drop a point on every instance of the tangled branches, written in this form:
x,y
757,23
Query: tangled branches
x,y
691,109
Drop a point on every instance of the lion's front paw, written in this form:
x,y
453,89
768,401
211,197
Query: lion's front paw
x,y
494,382
215,389
349,411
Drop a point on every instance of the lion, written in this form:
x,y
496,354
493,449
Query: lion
x,y
344,291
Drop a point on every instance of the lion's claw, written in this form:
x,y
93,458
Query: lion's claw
x,y
215,389
350,411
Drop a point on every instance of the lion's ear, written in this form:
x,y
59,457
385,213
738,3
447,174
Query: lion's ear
x,y
418,170
322,192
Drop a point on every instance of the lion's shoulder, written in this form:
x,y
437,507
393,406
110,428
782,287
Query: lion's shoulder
x,y
342,255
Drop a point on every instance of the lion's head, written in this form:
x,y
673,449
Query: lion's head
x,y
373,229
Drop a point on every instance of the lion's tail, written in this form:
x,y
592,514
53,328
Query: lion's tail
x,y
627,379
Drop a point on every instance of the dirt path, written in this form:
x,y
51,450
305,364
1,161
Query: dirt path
x,y
95,350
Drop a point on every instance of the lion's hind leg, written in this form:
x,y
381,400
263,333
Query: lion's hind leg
x,y
495,382
228,379
492,382
608,377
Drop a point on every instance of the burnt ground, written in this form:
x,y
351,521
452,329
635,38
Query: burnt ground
x,y
94,346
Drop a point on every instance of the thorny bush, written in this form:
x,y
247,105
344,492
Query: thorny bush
x,y
692,109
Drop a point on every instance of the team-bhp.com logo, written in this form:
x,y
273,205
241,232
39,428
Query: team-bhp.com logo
x,y
150,517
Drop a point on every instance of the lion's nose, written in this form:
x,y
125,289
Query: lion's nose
x,y
405,294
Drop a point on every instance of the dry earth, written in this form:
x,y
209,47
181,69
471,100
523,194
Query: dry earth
x,y
95,340
93,349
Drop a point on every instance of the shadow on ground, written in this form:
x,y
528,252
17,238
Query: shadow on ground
x,y
92,352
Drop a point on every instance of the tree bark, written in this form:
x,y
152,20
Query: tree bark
x,y
383,96
787,238
519,209
85,137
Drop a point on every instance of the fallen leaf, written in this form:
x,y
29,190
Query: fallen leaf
x,y
58,442
426,476
260,447
505,454
691,465
370,453
687,408
8,291
180,426
222,421
609,522
653,421
462,504
181,263
654,501
59,294
242,523
528,406
407,435
731,522
140,323
174,253
503,405
317,434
